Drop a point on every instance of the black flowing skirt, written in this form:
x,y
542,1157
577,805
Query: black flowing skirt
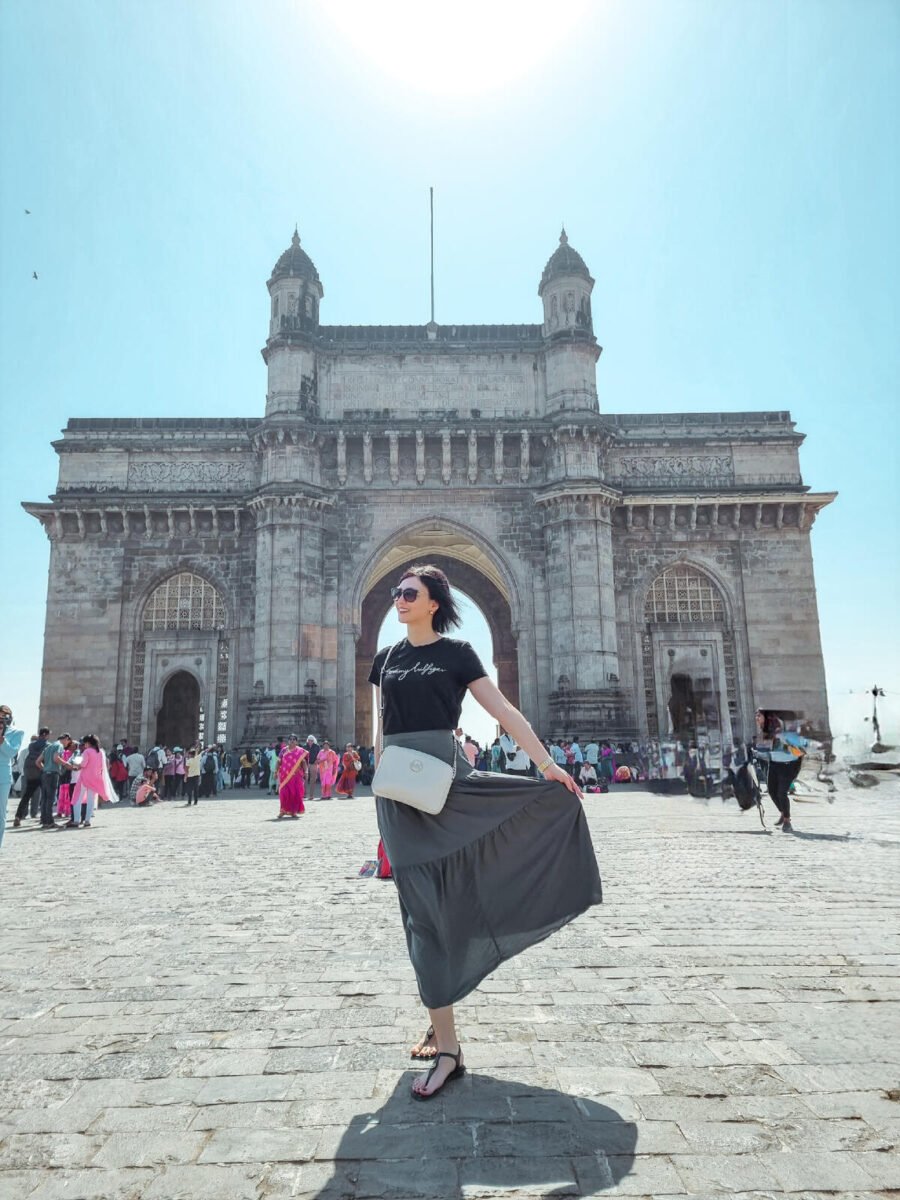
x,y
507,862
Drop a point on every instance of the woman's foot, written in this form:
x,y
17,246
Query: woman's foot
x,y
426,1047
446,1067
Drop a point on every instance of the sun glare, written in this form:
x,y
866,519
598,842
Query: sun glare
x,y
468,48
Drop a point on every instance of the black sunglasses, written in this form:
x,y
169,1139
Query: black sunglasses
x,y
408,594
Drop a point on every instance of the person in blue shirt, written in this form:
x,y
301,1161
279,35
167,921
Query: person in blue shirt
x,y
10,745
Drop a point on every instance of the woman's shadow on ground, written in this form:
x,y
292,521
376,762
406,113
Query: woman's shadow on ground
x,y
484,1131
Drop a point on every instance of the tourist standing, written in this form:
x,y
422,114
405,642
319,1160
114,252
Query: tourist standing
x,y
192,776
248,766
517,761
31,793
10,745
468,893
327,766
209,771
350,767
118,773
180,770
168,775
92,782
291,772
135,762
51,763
66,784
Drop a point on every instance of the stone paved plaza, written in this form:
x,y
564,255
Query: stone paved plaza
x,y
209,1003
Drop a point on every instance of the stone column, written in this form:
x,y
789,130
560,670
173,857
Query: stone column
x,y
289,637
583,643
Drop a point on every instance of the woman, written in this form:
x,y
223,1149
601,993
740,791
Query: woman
x,y
783,763
506,862
168,774
327,764
350,766
180,769
67,783
291,771
10,745
118,773
607,762
92,783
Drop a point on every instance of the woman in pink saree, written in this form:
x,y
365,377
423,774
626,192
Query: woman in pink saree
x,y
291,772
328,762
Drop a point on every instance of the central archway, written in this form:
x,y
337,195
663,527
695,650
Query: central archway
x,y
471,569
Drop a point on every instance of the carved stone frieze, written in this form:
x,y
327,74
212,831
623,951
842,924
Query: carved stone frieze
x,y
673,469
188,475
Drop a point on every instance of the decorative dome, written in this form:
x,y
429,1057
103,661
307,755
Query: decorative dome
x,y
564,261
294,263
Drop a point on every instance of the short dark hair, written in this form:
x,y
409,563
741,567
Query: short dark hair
x,y
44,729
438,587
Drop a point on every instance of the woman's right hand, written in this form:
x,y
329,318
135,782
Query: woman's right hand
x,y
558,775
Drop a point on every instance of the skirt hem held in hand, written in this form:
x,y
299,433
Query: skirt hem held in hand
x,y
507,862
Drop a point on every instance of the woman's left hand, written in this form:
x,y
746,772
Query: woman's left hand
x,y
558,775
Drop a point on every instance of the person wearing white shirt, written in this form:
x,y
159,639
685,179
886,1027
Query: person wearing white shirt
x,y
517,761
558,754
135,762
592,753
576,750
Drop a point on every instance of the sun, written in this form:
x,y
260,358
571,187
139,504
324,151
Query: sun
x,y
468,48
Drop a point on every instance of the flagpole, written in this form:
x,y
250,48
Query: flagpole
x,y
431,201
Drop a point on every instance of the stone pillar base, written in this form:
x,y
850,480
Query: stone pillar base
x,y
603,712
273,717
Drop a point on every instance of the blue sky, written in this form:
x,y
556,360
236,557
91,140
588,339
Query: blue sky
x,y
728,171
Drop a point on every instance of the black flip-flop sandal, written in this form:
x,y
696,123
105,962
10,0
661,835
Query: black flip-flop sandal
x,y
458,1071
423,1055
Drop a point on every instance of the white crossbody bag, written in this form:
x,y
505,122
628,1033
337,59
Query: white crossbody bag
x,y
409,776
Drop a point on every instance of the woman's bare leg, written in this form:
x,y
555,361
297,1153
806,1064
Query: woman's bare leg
x,y
442,1019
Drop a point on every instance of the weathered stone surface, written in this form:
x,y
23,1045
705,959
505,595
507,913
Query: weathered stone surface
x,y
612,1076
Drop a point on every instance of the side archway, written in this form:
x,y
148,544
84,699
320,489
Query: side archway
x,y
688,658
181,663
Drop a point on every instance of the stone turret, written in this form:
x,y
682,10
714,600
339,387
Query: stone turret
x,y
296,291
568,331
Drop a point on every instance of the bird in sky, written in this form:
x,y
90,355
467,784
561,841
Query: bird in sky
x,y
34,274
27,212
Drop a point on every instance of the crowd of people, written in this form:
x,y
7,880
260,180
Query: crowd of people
x,y
60,781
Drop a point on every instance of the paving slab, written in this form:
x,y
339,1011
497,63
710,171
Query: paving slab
x,y
726,1024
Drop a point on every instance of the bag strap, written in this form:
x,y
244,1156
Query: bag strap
x,y
454,747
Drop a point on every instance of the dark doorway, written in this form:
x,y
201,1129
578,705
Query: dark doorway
x,y
178,720
682,707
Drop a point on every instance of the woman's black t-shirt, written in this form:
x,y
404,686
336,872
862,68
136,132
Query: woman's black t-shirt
x,y
424,685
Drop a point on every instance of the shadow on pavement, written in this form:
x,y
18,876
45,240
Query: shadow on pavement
x,y
485,1132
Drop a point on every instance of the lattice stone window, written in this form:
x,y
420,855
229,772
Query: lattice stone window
x,y
683,594
184,601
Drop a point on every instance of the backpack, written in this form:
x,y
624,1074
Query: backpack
x,y
210,765
153,759
30,769
745,787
